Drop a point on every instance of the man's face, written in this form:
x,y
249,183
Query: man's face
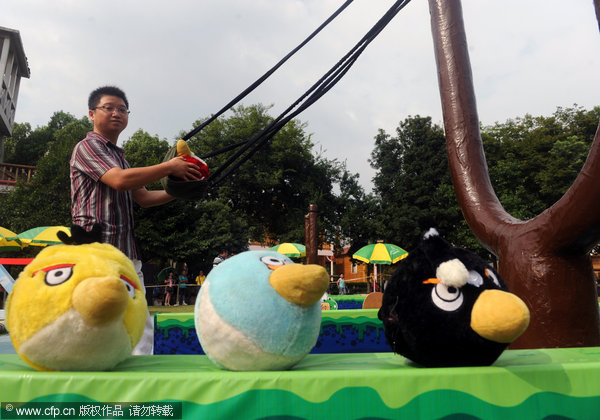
x,y
110,116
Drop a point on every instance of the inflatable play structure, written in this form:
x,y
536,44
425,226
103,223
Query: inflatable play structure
x,y
340,331
550,371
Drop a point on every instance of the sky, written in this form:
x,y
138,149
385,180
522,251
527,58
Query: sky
x,y
183,60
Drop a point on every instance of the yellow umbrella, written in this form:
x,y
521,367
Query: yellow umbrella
x,y
290,249
9,240
42,236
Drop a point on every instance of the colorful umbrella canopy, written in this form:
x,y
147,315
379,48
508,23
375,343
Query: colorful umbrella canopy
x,y
380,253
164,273
290,249
42,236
9,240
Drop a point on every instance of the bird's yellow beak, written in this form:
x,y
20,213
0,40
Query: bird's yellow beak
x,y
300,284
100,300
499,316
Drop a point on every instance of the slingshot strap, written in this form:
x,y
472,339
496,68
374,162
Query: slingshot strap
x,y
308,98
223,149
264,77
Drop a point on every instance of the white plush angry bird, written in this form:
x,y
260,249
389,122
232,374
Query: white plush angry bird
x,y
76,307
260,311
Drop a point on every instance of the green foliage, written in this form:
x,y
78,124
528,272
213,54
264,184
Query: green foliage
x,y
357,212
190,231
266,198
413,184
534,160
275,187
26,147
566,160
142,149
46,200
20,133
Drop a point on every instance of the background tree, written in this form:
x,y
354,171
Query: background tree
x,y
358,214
46,200
269,196
534,160
20,132
275,187
27,146
414,187
186,231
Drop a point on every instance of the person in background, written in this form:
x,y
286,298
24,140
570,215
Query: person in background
x,y
157,295
200,278
341,284
331,287
170,283
220,258
183,282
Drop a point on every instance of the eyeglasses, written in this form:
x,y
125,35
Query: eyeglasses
x,y
111,109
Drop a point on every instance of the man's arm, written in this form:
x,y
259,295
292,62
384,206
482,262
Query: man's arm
x,y
133,178
147,198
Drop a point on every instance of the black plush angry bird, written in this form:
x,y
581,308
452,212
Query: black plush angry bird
x,y
444,306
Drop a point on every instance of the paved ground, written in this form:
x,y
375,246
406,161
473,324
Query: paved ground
x,y
6,345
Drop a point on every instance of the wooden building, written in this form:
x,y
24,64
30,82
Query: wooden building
x,y
13,66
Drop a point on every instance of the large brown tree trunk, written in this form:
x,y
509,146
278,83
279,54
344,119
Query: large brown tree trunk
x,y
544,260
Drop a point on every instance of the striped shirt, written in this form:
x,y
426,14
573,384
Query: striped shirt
x,y
92,201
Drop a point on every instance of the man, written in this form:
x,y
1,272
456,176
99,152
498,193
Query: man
x,y
104,186
220,258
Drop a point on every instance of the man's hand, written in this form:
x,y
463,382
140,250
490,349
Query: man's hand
x,y
184,170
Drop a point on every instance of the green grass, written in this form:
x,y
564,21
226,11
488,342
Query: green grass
x,y
171,309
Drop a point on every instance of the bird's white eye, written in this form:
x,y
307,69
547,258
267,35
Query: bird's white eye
x,y
475,278
129,286
492,275
272,260
58,274
447,298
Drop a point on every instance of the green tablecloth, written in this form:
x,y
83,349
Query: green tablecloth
x,y
528,384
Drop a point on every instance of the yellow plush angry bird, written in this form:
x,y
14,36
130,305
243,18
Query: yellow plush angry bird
x,y
76,307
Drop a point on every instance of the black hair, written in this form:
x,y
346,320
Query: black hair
x,y
97,94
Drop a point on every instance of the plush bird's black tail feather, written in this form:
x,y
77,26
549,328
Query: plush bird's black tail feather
x,y
80,236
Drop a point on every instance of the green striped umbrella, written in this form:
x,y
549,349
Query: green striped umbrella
x,y
9,240
42,236
380,253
